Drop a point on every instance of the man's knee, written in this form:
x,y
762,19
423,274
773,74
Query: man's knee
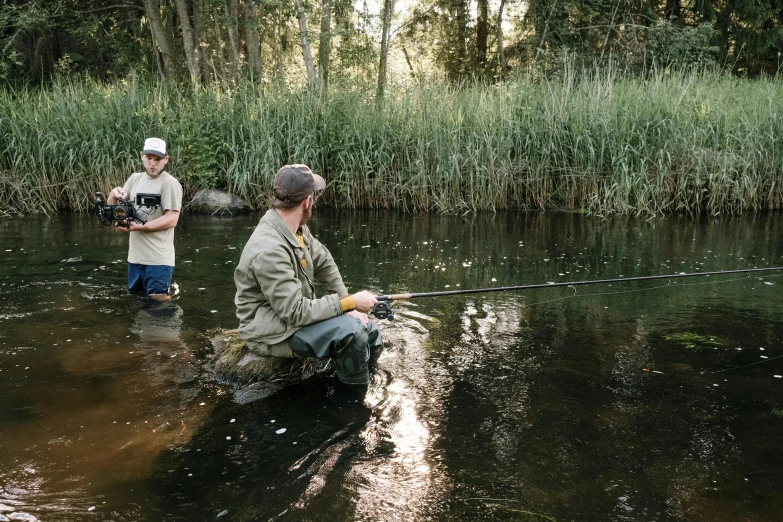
x,y
328,338
354,339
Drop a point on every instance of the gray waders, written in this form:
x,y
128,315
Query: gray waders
x,y
343,338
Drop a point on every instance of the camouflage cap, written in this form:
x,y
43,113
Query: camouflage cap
x,y
293,183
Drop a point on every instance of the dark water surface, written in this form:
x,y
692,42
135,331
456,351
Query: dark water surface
x,y
505,406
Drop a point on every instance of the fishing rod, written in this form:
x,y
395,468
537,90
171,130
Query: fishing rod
x,y
382,310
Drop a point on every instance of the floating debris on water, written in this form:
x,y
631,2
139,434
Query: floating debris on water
x,y
281,431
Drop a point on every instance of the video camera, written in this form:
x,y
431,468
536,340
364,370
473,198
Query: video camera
x,y
125,211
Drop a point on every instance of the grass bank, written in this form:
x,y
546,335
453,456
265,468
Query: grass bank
x,y
692,142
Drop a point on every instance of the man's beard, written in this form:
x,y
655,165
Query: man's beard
x,y
306,213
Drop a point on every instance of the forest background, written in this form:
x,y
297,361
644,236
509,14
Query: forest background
x,y
632,106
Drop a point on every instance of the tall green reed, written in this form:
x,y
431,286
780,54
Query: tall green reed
x,y
694,142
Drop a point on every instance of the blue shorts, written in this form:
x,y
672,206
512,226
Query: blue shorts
x,y
150,279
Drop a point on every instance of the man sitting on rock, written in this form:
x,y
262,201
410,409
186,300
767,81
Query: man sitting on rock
x,y
279,313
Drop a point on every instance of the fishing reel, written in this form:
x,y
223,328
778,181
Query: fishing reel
x,y
382,310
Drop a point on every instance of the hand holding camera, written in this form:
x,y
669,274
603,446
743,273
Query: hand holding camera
x,y
125,212
118,193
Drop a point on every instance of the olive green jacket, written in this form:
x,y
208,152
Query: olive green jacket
x,y
275,295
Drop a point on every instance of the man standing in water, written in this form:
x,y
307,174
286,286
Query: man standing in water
x,y
279,314
151,244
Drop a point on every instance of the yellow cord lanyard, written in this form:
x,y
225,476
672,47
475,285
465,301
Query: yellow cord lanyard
x,y
303,261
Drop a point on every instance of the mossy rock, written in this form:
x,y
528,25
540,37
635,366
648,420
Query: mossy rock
x,y
212,201
236,364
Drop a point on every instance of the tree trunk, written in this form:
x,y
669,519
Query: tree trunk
x,y
156,53
170,15
253,38
325,43
218,52
482,33
232,23
673,11
160,35
408,60
282,45
308,56
201,48
388,9
188,42
462,17
501,56
542,40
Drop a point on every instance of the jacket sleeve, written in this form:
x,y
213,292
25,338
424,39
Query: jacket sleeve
x,y
325,270
283,291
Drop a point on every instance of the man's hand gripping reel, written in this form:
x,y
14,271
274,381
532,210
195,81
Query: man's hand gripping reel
x,y
382,310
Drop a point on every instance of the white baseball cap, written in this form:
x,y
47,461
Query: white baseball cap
x,y
155,146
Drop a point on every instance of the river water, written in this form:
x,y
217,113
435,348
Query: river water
x,y
658,400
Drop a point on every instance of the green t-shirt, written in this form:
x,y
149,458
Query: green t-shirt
x,y
153,248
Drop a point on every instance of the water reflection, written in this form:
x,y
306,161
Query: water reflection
x,y
92,405
399,473
506,406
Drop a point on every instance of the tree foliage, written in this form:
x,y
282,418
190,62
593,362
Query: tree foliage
x,y
223,41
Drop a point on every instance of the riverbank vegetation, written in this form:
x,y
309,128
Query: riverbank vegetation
x,y
595,140
445,105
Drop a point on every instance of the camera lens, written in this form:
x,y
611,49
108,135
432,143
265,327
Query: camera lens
x,y
119,213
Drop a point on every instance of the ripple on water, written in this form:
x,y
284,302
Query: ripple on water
x,y
24,496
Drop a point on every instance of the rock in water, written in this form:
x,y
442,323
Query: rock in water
x,y
234,363
211,201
